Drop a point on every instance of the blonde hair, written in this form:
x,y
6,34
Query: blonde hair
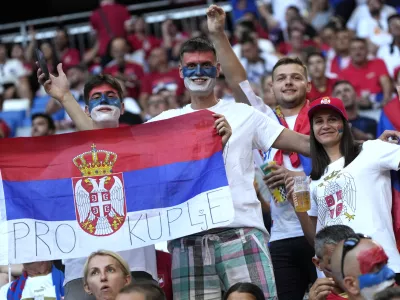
x,y
123,264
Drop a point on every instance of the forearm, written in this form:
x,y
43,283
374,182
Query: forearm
x,y
269,19
308,227
78,116
16,270
292,141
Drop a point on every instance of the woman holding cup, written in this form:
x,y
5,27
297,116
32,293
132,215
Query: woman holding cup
x,y
350,182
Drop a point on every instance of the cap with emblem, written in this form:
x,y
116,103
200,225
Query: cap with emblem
x,y
327,103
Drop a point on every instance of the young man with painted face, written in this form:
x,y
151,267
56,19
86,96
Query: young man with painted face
x,y
103,97
359,265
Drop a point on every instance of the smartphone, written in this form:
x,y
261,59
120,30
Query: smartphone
x,y
42,63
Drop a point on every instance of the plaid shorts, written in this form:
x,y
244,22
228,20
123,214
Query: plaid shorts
x,y
205,265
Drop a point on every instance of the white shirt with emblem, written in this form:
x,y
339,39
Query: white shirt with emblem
x,y
360,195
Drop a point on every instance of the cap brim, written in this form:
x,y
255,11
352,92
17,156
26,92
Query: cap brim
x,y
318,107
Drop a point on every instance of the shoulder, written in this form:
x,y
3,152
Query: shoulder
x,y
171,113
4,290
374,145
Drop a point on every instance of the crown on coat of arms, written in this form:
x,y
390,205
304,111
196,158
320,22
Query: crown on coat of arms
x,y
89,163
325,100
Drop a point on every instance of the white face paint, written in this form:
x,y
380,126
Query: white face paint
x,y
369,292
200,88
105,113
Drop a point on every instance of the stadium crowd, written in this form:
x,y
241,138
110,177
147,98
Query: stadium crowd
x,y
312,86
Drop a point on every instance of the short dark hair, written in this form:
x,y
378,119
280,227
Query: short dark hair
x,y
339,82
315,53
331,235
392,17
49,119
247,24
148,288
199,44
361,40
247,38
246,287
98,80
289,61
295,8
388,294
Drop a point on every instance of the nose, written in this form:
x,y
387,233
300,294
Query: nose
x,y
198,71
288,81
103,276
103,99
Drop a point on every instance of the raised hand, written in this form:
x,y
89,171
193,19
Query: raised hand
x,y
215,19
56,87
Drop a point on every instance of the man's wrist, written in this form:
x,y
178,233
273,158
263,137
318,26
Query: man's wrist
x,y
67,97
217,34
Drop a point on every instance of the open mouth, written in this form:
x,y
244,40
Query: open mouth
x,y
105,109
199,80
105,288
289,91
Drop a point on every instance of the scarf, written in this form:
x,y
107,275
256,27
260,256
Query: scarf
x,y
302,125
17,286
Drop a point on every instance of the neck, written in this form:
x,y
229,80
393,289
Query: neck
x,y
163,68
360,64
292,111
333,152
319,82
352,112
343,53
106,124
203,102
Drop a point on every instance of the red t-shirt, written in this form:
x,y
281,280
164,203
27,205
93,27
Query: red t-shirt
x,y
285,47
164,266
133,71
315,93
147,44
169,80
70,58
333,296
366,78
116,15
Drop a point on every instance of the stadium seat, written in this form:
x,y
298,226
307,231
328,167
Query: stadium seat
x,y
16,104
13,119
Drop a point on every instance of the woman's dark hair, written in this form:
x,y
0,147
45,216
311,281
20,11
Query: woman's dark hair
x,y
98,80
246,287
320,159
149,289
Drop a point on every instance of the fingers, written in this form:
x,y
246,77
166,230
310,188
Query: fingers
x,y
60,70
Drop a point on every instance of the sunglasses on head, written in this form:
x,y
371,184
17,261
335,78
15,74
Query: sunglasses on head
x,y
349,244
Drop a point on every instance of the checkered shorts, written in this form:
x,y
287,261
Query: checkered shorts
x,y
205,265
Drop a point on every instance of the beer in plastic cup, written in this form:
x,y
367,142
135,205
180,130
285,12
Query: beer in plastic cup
x,y
301,197
279,193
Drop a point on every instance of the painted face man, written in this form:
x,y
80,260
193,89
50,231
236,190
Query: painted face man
x,y
360,265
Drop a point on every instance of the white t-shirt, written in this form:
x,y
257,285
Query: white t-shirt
x,y
140,259
360,195
250,130
255,71
11,71
37,287
279,8
263,44
392,60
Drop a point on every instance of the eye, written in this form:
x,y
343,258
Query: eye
x,y
191,66
207,65
110,270
94,272
95,96
297,77
279,79
111,95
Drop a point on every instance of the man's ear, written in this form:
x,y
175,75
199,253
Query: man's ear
x,y
87,111
351,285
180,71
308,86
122,108
316,261
218,69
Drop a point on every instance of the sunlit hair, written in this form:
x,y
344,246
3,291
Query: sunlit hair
x,y
290,61
122,263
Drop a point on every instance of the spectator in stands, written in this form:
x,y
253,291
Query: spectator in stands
x,y
38,280
103,97
164,267
156,105
13,77
369,21
142,291
296,45
283,12
347,185
16,270
161,75
320,84
255,62
344,90
267,94
222,89
105,273
240,8
319,14
5,129
244,291
18,52
369,77
42,125
66,55
341,58
359,264
390,53
246,27
325,243
391,293
140,39
173,37
109,20
129,72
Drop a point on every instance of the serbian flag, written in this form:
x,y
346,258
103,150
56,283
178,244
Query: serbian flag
x,y
65,196
390,120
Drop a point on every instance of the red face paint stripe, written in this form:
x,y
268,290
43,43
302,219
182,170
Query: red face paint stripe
x,y
101,89
368,259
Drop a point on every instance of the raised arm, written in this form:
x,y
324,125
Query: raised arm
x,y
58,88
230,64
292,141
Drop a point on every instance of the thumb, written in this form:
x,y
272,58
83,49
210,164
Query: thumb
x,y
60,69
398,90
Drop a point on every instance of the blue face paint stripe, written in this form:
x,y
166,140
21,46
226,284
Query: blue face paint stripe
x,y
104,100
200,71
368,280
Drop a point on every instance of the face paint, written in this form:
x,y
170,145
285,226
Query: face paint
x,y
340,129
199,72
368,259
370,284
104,100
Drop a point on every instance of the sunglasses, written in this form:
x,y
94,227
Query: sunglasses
x,y
349,244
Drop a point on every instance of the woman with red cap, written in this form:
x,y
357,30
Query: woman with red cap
x,y
350,182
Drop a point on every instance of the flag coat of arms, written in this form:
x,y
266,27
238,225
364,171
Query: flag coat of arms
x,y
65,196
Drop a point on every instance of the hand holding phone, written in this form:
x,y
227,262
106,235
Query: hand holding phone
x,y
42,63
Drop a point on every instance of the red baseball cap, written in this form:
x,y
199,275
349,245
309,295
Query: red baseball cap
x,y
327,102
